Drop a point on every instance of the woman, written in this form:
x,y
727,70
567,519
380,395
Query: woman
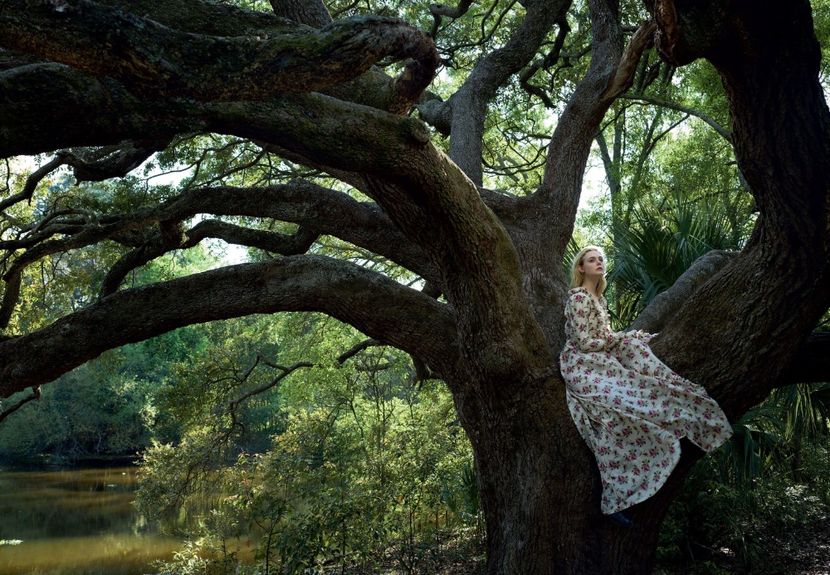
x,y
630,408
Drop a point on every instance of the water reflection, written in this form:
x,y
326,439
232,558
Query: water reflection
x,y
75,522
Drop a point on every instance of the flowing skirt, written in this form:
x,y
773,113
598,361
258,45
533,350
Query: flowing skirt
x,y
632,409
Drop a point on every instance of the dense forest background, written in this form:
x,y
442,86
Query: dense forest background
x,y
328,446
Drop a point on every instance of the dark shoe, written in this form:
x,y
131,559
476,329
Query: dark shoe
x,y
621,519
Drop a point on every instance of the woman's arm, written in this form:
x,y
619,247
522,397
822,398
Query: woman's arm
x,y
590,334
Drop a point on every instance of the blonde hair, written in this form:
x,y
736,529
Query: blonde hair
x,y
577,277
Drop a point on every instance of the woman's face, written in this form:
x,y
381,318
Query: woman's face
x,y
593,264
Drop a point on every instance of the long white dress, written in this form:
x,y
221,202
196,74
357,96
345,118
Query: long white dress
x,y
630,408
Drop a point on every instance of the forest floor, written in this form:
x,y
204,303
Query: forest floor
x,y
804,553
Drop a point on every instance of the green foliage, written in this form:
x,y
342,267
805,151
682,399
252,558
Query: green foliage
x,y
722,523
108,406
661,242
365,470
89,412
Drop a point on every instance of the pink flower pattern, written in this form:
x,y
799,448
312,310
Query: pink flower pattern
x,y
629,407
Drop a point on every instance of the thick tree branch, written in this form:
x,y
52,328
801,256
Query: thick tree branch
x,y
469,103
611,71
311,206
326,211
378,306
275,242
317,210
155,60
659,311
111,161
373,88
311,12
109,114
168,239
624,76
171,238
208,17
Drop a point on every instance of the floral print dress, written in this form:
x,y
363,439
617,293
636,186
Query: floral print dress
x,y
629,407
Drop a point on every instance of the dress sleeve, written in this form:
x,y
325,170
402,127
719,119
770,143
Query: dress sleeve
x,y
643,336
589,334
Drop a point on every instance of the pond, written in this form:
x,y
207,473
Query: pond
x,y
76,522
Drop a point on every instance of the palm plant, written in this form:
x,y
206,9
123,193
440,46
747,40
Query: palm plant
x,y
806,411
660,243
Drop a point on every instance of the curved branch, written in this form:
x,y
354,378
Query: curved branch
x,y
284,244
438,11
155,60
112,161
18,404
374,304
93,166
611,70
32,181
316,209
723,132
168,239
128,262
320,209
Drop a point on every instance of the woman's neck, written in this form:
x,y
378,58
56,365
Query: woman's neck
x,y
592,286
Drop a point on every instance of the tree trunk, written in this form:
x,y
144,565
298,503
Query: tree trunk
x,y
540,489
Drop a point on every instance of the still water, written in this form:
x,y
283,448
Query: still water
x,y
75,522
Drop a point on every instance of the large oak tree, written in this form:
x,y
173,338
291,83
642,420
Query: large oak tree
x,y
105,84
